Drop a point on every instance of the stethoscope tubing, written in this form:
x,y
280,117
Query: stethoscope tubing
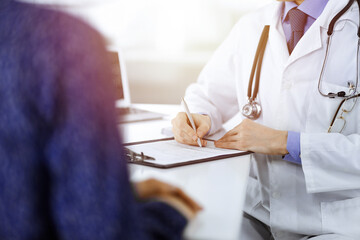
x,y
260,51
257,64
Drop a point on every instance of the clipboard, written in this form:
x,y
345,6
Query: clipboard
x,y
167,153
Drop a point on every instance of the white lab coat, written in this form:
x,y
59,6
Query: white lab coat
x,y
323,195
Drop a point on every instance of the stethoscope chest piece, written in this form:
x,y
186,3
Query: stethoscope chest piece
x,y
251,110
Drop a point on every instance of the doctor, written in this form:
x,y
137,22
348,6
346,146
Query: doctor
x,y
305,177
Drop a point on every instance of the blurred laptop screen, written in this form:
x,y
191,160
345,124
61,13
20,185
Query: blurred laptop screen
x,y
116,72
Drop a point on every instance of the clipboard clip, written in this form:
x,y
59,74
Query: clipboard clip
x,y
136,157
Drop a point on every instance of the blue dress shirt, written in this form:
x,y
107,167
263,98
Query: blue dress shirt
x,y
313,8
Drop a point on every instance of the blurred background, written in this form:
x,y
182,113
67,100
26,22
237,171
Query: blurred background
x,y
165,43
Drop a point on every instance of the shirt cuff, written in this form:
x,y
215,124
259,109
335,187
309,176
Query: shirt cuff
x,y
293,147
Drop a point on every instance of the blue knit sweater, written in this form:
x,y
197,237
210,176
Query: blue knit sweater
x,y
62,174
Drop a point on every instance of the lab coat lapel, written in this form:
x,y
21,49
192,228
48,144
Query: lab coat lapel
x,y
309,43
277,43
312,39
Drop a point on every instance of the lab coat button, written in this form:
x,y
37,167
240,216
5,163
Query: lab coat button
x,y
276,195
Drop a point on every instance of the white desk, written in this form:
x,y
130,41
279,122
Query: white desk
x,y
218,186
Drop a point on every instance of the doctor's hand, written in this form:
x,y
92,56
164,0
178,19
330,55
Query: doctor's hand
x,y
184,133
174,196
254,137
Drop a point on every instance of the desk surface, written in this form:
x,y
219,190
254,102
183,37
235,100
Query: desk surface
x,y
219,186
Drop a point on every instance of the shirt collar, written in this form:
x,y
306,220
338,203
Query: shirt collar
x,y
312,8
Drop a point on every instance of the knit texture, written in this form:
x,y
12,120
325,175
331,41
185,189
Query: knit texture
x,y
62,171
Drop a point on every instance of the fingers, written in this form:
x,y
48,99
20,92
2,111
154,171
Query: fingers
x,y
182,202
166,189
185,139
231,140
180,206
228,141
227,145
154,188
176,197
202,123
203,142
228,137
184,133
148,188
186,199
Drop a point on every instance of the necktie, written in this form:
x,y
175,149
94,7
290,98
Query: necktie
x,y
297,20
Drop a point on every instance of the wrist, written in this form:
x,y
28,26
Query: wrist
x,y
281,141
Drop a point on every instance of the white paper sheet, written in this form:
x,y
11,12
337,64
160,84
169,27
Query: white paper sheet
x,y
171,152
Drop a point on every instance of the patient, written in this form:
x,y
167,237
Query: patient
x,y
62,171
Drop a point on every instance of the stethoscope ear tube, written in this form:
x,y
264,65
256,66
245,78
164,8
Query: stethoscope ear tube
x,y
358,33
359,25
334,20
330,31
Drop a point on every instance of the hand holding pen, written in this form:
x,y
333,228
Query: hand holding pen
x,y
185,132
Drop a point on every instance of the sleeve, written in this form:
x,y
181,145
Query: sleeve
x,y
330,161
90,194
214,93
293,147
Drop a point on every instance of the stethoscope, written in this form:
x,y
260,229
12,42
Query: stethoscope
x,y
252,109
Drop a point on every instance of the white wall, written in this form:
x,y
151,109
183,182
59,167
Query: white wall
x,y
166,43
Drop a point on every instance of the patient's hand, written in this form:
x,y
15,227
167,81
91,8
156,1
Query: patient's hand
x,y
173,196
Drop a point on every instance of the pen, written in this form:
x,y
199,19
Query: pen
x,y
190,119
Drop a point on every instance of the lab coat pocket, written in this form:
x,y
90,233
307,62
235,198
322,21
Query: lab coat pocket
x,y
253,196
341,217
322,110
